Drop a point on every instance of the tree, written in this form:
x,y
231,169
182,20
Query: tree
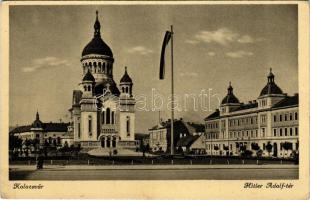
x,y
15,143
269,148
256,148
287,146
27,144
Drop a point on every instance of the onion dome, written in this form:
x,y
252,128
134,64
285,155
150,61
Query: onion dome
x,y
230,97
107,84
97,45
37,123
88,77
271,87
126,78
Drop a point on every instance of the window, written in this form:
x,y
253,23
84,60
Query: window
x,y
274,132
280,118
90,125
274,118
296,130
291,131
108,113
112,116
79,130
296,116
280,131
291,116
126,89
285,131
264,146
285,117
128,126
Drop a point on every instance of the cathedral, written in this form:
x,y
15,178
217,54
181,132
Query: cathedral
x,y
103,114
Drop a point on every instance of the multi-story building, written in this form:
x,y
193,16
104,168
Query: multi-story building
x,y
269,123
57,134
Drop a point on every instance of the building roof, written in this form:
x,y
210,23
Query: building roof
x,y
271,87
245,107
197,127
47,127
126,78
187,140
288,101
97,45
88,77
213,115
104,84
230,97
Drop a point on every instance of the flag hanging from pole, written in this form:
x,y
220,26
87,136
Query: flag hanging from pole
x,y
162,55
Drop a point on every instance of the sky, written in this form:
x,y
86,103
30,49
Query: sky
x,y
213,45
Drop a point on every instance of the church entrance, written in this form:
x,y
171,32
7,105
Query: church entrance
x,y
275,149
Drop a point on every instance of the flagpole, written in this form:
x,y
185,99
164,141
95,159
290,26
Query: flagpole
x,y
172,95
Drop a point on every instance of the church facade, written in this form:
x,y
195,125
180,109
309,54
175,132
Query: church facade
x,y
102,113
268,124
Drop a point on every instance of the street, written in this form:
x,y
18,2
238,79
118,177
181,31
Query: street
x,y
182,173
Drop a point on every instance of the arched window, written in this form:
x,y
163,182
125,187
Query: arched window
x,y
108,116
123,89
108,142
103,67
89,88
126,89
79,128
112,116
90,125
114,142
102,117
85,88
95,66
128,126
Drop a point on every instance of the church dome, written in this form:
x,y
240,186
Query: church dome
x,y
230,97
89,77
271,87
126,78
97,45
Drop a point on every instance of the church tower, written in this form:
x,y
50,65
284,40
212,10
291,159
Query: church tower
x,y
127,109
88,105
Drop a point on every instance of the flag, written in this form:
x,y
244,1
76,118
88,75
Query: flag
x,y
162,55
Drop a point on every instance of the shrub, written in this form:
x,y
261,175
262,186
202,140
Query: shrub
x,y
247,153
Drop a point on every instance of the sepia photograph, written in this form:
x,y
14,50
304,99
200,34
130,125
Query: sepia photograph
x,y
156,92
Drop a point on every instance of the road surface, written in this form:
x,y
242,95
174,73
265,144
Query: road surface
x,y
61,173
